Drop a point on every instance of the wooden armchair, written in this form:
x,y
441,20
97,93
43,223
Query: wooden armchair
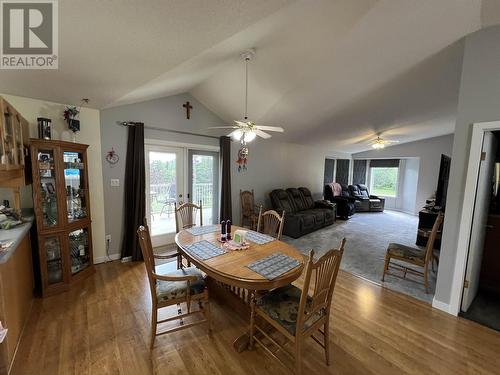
x,y
271,223
185,218
185,285
412,255
249,212
295,314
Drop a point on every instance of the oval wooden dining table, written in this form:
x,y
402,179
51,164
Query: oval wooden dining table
x,y
233,277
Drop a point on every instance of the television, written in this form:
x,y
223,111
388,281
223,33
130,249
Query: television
x,y
442,186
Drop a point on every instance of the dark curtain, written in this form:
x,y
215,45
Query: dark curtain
x,y
329,169
359,172
342,175
384,163
135,191
226,211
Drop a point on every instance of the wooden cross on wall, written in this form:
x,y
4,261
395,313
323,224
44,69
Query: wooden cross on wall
x,y
188,107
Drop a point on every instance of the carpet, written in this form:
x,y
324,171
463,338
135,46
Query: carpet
x,y
368,234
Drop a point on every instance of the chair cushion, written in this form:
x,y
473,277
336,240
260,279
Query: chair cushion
x,y
406,252
169,290
282,305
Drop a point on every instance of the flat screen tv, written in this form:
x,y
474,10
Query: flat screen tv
x,y
444,176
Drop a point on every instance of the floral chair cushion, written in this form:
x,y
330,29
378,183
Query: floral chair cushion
x,y
282,305
406,252
170,290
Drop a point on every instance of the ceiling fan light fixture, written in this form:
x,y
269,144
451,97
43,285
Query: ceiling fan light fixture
x,y
378,145
249,136
237,134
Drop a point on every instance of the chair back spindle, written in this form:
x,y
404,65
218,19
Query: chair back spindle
x,y
271,223
147,254
325,271
432,237
185,215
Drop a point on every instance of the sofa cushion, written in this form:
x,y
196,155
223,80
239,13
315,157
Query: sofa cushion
x,y
363,190
281,201
307,197
297,199
318,214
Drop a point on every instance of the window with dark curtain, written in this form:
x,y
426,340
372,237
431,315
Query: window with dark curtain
x,y
342,174
329,169
359,172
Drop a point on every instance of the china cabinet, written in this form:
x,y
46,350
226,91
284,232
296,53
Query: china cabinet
x,y
62,211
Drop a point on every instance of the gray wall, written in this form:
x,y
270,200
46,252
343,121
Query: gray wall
x,y
479,101
165,112
271,164
275,165
429,153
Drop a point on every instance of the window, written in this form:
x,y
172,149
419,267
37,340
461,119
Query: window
x,y
384,181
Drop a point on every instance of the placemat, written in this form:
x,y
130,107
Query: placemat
x,y
258,238
274,265
205,250
198,231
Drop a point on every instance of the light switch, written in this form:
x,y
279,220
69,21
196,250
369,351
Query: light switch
x,y
115,182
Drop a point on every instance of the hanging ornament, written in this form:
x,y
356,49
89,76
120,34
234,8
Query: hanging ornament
x,y
242,157
112,157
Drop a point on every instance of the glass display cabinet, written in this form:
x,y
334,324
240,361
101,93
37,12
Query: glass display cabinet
x,y
62,210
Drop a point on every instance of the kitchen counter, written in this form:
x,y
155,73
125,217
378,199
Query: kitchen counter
x,y
16,235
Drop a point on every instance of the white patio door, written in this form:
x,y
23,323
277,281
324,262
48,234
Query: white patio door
x,y
165,186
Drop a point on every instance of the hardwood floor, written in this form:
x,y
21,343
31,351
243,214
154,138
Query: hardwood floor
x,y
104,327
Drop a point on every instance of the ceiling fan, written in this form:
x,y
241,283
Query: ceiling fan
x,y
246,131
379,143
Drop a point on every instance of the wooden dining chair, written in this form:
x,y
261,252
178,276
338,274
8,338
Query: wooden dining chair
x,y
174,253
184,285
185,218
412,255
249,211
296,314
271,223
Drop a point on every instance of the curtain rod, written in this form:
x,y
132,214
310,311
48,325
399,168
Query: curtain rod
x,y
132,123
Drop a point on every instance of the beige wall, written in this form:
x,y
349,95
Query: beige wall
x,y
89,134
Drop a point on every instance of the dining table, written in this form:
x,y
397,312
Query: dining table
x,y
231,281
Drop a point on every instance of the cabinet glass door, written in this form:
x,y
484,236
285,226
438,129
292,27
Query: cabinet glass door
x,y
53,258
9,153
18,140
48,184
74,181
79,250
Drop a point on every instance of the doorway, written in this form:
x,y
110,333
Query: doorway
x,y
174,175
481,291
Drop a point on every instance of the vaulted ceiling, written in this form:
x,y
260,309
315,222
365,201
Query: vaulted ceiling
x,y
331,72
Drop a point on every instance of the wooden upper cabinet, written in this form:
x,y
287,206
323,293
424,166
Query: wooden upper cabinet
x,y
13,145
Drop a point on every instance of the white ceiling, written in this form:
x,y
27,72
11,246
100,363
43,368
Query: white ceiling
x,y
331,72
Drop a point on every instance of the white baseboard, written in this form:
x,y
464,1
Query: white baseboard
x,y
443,306
106,259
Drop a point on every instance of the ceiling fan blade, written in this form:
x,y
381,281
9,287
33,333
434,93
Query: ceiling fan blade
x,y
270,128
224,127
240,123
262,134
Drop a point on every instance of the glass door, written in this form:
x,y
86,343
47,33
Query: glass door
x,y
75,185
164,188
47,176
203,173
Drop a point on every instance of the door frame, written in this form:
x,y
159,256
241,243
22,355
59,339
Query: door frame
x,y
466,217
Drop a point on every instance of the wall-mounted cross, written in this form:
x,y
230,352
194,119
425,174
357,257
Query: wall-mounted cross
x,y
188,107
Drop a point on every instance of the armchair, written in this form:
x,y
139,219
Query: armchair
x,y
335,193
375,203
